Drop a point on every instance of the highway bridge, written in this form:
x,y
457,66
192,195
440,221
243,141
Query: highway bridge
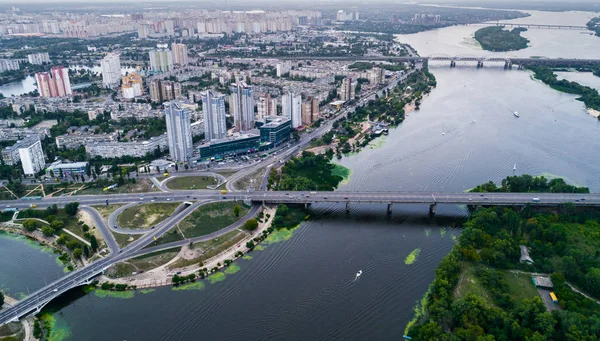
x,y
543,26
480,60
34,302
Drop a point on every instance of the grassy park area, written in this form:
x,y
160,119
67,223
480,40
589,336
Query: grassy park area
x,y
211,248
191,182
146,215
142,263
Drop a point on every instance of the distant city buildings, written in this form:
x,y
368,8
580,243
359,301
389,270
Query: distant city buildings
x,y
9,64
241,106
111,69
162,91
179,132
291,105
426,19
342,15
266,106
38,58
161,60
132,85
377,75
213,108
180,54
143,31
54,84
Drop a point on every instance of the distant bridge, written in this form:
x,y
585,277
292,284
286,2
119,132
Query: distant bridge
x,y
544,26
480,60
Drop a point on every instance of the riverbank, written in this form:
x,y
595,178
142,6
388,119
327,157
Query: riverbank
x,y
162,275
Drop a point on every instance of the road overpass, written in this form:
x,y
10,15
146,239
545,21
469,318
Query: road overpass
x,y
34,302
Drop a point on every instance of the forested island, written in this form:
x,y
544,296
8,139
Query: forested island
x,y
594,25
483,289
496,38
588,95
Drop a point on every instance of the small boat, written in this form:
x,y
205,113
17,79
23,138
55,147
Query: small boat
x,y
516,114
358,273
515,167
443,133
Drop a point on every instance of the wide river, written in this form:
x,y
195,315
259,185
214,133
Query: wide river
x,y
304,288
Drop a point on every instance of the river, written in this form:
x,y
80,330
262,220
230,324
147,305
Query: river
x,y
303,288
25,265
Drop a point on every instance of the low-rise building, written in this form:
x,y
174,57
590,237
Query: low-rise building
x,y
67,169
219,149
275,130
73,141
109,150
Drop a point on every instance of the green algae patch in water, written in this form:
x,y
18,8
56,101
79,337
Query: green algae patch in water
x,y
454,239
443,231
378,142
127,294
147,291
280,235
190,286
216,277
427,232
342,171
57,328
248,257
258,248
232,268
412,257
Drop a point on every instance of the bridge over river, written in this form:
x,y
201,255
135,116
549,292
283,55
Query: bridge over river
x,y
34,302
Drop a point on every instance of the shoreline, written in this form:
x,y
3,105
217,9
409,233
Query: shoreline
x,y
593,112
161,276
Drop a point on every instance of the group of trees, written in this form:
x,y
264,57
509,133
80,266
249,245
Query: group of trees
x,y
528,183
496,38
304,173
563,242
588,95
594,25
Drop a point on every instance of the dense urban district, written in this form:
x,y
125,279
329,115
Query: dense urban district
x,y
132,142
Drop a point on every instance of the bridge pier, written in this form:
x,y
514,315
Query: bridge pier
x,y
347,207
389,209
479,64
432,209
507,65
452,63
306,205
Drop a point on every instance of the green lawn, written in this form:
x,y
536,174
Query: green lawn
x,y
141,186
146,215
521,286
469,283
124,239
211,248
210,218
191,182
142,263
107,210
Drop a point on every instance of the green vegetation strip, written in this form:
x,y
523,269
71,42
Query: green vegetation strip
x,y
412,257
588,95
190,286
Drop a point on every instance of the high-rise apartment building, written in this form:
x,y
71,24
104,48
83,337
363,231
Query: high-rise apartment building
x,y
54,84
31,155
180,54
213,108
161,60
111,69
131,85
283,68
9,64
179,132
347,89
241,106
291,105
310,111
143,31
266,106
162,91
377,75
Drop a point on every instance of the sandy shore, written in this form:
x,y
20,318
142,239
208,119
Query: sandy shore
x,y
162,275
593,112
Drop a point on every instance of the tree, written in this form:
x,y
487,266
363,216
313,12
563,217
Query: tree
x,y
1,299
72,245
236,210
62,240
30,225
93,243
77,252
47,231
71,208
251,224
86,251
57,224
